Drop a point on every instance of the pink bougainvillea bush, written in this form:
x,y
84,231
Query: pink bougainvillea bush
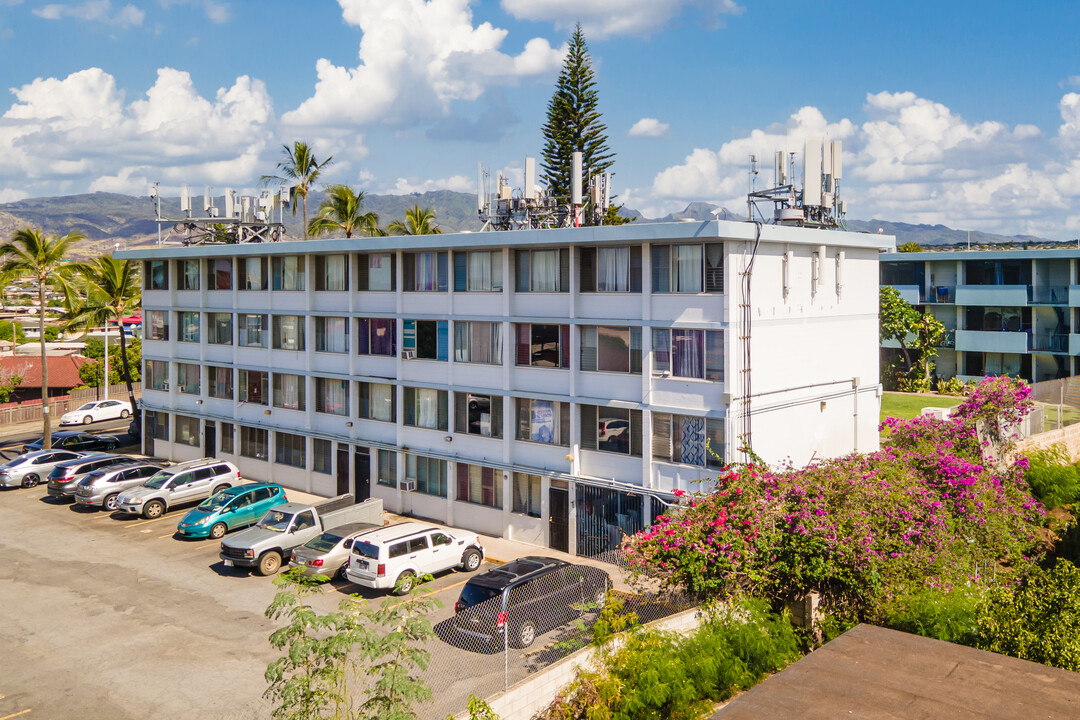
x,y
924,511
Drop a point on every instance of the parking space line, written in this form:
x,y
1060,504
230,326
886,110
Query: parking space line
x,y
146,522
432,592
15,715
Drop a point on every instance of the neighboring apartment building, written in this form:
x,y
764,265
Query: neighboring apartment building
x,y
552,386
1006,312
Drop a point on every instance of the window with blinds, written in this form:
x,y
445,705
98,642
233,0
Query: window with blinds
x,y
688,440
526,495
542,270
476,414
377,272
611,349
479,485
611,429
543,421
426,408
543,345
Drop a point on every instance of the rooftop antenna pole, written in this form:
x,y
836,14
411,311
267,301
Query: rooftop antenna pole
x,y
753,187
969,239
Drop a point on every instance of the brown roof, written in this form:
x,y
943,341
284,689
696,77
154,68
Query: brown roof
x,y
874,673
63,370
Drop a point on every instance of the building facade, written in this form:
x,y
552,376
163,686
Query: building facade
x,y
551,386
1006,312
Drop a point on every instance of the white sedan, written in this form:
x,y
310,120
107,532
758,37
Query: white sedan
x,y
95,411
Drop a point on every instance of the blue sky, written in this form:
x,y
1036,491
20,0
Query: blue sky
x,y
962,113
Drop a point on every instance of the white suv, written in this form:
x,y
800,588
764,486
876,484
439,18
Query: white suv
x,y
395,556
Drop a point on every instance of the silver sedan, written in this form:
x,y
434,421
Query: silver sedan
x,y
32,468
328,554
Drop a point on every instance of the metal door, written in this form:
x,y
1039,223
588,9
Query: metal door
x,y
559,519
362,473
343,469
149,420
210,439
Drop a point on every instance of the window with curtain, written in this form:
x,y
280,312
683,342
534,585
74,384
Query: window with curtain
x,y
386,468
479,485
187,274
288,332
158,320
377,272
611,349
155,275
476,414
378,402
289,273
289,391
253,443
157,374
219,274
226,440
426,271
322,455
426,339
187,430
478,342
253,386
543,345
290,450
688,440
609,269
426,408
688,353
688,268
526,495
332,334
377,336
332,272
478,271
543,421
161,426
252,330
219,328
252,273
221,382
611,429
429,474
542,270
332,396
189,326
187,378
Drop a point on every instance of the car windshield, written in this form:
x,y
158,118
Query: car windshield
x,y
87,406
366,549
159,480
475,594
276,520
215,503
324,543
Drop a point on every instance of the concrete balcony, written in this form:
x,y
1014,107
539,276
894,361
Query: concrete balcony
x,y
1051,342
1074,295
989,341
910,293
1000,295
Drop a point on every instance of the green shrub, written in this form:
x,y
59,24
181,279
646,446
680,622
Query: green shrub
x,y
1054,480
952,386
952,616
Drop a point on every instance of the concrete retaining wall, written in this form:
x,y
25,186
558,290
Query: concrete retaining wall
x,y
1068,436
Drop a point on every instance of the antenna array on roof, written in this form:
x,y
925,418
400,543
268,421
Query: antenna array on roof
x,y
240,219
532,207
818,203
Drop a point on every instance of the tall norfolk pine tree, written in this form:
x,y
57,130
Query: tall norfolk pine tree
x,y
573,122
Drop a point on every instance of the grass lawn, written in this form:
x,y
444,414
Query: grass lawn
x,y
908,405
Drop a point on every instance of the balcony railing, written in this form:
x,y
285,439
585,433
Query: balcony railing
x,y
942,294
1051,294
948,340
1057,342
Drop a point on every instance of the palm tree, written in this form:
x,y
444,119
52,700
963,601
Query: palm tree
x,y
112,292
299,170
418,221
343,209
32,253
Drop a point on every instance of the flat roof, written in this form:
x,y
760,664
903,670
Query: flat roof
x,y
871,672
1018,254
558,237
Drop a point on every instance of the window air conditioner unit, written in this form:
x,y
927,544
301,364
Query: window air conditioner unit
x,y
408,485
408,354
165,387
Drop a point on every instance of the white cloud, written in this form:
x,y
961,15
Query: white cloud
x,y
601,18
407,186
93,11
415,58
10,195
215,11
648,127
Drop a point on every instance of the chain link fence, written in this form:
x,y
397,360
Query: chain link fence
x,y
1057,404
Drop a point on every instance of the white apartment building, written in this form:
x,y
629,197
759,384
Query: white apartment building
x,y
551,386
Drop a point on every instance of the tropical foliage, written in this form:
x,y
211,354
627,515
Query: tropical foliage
x,y
918,335
418,221
343,211
299,170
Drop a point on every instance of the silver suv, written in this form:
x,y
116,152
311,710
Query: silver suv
x,y
184,483
65,476
102,488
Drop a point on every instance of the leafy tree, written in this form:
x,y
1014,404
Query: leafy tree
x,y
343,210
909,246
31,253
418,221
91,373
12,331
299,169
917,333
9,381
52,333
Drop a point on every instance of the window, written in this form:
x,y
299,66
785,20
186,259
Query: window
x,y
377,336
332,334
688,353
289,273
252,330
288,332
688,268
610,429
161,426
290,450
155,275
688,440
253,443
332,396
543,345
221,382
322,456
187,274
187,430
610,269
429,474
219,274
425,339
480,485
542,270
425,408
526,494
253,387
157,375
611,349
227,438
219,328
478,414
289,391
387,468
425,272
377,402
252,273
159,324
331,272
377,272
478,342
189,326
543,421
187,378
478,271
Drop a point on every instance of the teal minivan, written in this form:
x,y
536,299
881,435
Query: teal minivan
x,y
231,509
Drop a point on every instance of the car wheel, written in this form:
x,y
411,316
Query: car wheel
x,y
219,488
471,559
342,572
269,563
218,531
526,634
30,480
124,414
87,420
405,583
153,509
111,502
